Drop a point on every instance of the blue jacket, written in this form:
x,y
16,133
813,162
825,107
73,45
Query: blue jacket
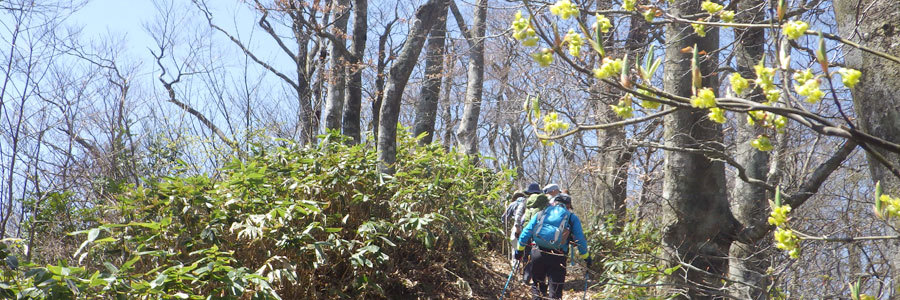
x,y
577,233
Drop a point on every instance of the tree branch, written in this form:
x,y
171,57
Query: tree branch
x,y
206,122
461,23
246,50
818,177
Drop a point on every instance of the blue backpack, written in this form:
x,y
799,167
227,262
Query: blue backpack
x,y
552,228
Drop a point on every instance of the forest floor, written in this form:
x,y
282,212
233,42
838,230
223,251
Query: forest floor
x,y
487,280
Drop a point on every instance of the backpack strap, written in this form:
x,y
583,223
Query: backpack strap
x,y
561,228
540,217
539,225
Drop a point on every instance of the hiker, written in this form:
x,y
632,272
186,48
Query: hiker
x,y
552,190
550,230
532,199
535,203
512,212
518,198
568,205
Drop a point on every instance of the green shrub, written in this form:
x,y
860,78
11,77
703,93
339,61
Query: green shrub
x,y
629,259
288,222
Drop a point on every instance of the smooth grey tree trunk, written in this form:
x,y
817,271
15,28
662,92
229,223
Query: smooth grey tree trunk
x,y
614,159
383,58
696,213
447,114
334,103
749,261
309,124
426,107
350,123
424,18
876,24
467,133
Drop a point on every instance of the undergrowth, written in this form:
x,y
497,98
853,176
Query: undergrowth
x,y
287,222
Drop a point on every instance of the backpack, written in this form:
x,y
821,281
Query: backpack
x,y
511,209
533,205
552,228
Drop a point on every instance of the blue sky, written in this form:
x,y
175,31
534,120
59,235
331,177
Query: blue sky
x,y
103,18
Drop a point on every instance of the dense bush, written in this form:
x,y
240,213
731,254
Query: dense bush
x,y
629,255
286,222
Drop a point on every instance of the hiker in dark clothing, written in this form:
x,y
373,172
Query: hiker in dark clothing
x,y
516,209
550,230
535,203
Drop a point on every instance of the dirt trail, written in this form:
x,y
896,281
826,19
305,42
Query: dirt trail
x,y
494,270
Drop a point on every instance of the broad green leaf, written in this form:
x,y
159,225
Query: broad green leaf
x,y
159,281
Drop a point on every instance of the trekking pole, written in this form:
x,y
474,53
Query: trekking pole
x,y
587,272
516,268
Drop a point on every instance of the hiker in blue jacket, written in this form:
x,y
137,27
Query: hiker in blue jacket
x,y
550,230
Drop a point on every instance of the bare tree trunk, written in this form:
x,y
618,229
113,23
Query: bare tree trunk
x,y
748,262
467,133
696,212
351,120
306,66
425,17
875,97
516,144
615,157
446,116
383,57
426,107
613,164
334,103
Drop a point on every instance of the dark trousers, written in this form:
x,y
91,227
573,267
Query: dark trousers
x,y
526,270
547,265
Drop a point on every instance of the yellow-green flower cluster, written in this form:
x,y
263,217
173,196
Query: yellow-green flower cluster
x,y
756,115
738,83
766,119
779,215
522,30
717,115
794,29
886,207
711,7
575,42
890,206
628,5
603,22
802,76
705,98
552,124
808,86
564,9
765,77
780,122
772,96
649,104
543,58
849,77
765,80
623,109
786,240
649,15
727,16
865,297
699,29
609,67
762,143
